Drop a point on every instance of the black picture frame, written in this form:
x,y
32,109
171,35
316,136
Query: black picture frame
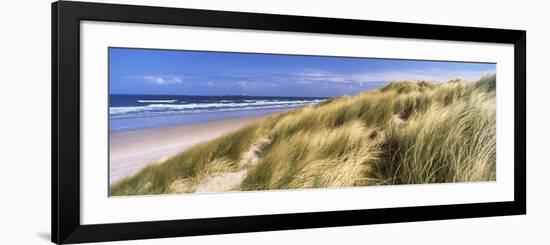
x,y
65,167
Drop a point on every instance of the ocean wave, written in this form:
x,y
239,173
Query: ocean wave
x,y
215,105
161,109
165,113
157,101
128,109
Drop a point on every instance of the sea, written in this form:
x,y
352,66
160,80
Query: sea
x,y
133,112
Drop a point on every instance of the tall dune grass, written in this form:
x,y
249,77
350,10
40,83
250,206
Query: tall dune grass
x,y
403,133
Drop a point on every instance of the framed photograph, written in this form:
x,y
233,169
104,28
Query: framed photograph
x,y
176,122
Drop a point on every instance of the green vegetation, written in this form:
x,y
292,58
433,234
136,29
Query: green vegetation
x,y
403,133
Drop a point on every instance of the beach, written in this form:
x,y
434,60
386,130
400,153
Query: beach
x,y
184,122
130,151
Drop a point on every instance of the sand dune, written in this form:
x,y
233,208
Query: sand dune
x,y
403,133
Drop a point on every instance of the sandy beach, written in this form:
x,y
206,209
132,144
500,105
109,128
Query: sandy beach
x,y
131,150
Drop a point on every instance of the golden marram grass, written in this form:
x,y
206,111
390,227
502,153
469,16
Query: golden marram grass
x,y
403,133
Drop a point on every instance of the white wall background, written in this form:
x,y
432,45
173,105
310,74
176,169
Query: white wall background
x,y
25,121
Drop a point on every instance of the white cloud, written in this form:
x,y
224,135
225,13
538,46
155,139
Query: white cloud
x,y
433,75
243,84
163,79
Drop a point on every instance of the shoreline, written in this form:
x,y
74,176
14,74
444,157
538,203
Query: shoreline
x,y
125,124
129,151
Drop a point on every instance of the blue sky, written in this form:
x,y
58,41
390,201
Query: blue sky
x,y
147,71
